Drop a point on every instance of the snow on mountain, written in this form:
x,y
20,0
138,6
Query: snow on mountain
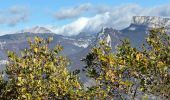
x,y
132,28
84,45
2,44
37,29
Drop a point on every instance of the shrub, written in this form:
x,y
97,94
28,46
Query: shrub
x,y
149,65
39,72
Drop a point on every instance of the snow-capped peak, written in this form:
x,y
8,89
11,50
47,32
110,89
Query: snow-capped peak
x,y
37,29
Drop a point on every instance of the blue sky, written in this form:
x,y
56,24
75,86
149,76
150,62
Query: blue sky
x,y
60,15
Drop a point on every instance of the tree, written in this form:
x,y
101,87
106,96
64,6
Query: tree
x,y
150,64
116,72
103,67
158,58
39,72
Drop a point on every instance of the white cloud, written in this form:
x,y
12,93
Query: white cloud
x,y
67,13
116,17
77,11
85,24
13,15
72,28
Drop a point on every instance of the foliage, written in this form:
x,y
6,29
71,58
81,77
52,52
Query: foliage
x,y
39,73
102,65
149,65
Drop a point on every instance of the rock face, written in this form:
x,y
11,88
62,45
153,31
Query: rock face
x,y
151,21
102,36
110,36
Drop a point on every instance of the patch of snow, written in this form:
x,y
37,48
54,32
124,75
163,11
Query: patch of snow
x,y
67,38
132,28
2,45
84,45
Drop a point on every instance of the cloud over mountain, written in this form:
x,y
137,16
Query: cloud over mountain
x,y
104,16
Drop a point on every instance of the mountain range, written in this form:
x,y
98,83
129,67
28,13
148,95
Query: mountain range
x,y
77,46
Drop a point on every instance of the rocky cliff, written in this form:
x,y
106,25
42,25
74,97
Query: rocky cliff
x,y
151,21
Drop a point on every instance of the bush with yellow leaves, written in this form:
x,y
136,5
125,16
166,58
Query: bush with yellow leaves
x,y
39,73
149,65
